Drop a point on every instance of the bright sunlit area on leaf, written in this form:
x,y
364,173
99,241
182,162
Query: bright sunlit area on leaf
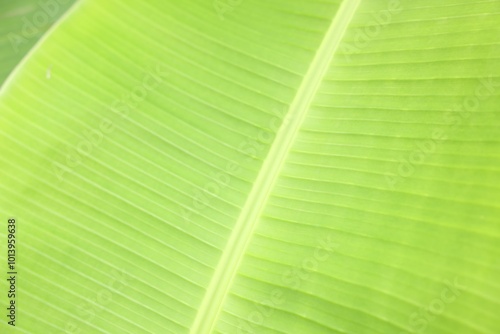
x,y
250,166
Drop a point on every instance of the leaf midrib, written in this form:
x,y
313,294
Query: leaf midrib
x,y
238,242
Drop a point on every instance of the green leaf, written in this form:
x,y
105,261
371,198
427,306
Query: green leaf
x,y
256,167
22,24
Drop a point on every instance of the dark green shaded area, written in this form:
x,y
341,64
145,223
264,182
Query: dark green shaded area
x,y
22,24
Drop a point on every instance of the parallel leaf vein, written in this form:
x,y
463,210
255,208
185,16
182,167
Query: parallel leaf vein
x,y
240,237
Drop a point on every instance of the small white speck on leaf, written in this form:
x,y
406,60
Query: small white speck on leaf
x,y
48,75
